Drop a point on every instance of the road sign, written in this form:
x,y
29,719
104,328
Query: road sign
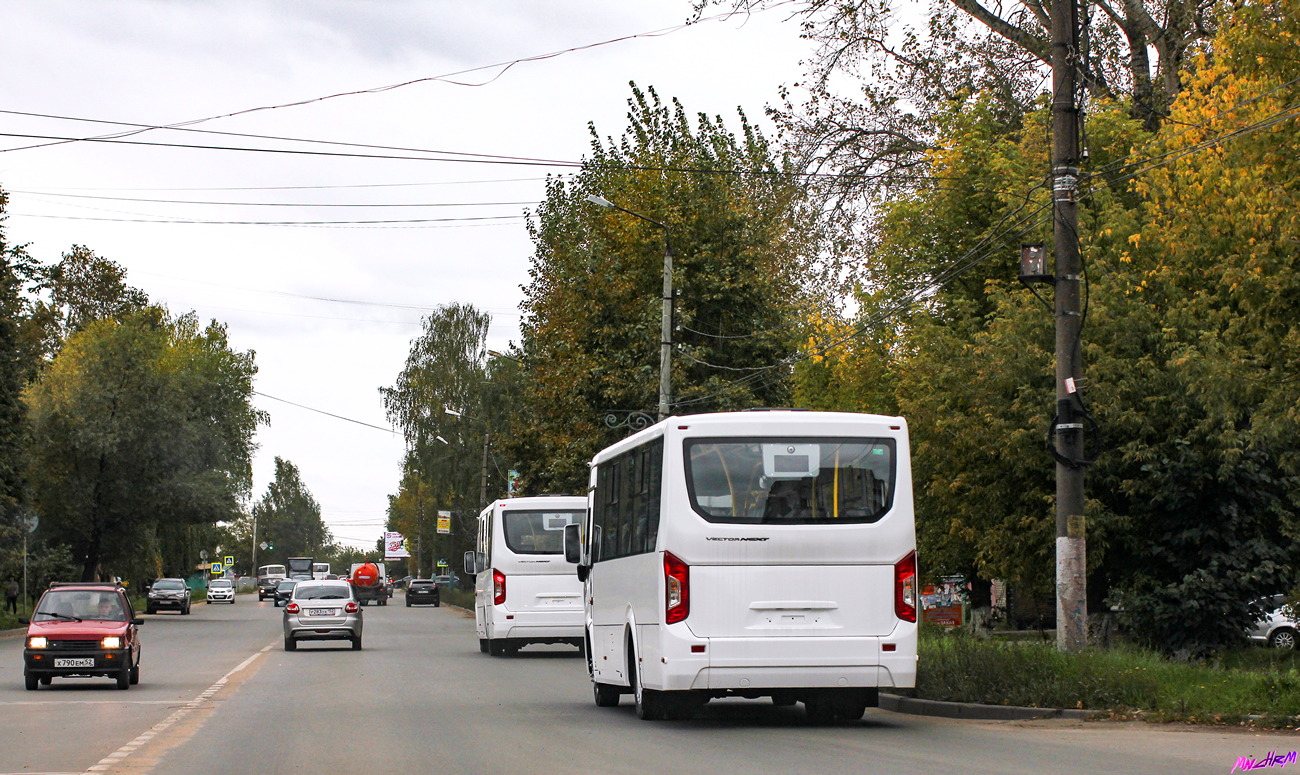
x,y
263,545
230,560
217,569
203,554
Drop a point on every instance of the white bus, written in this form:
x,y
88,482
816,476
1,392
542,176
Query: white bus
x,y
751,554
320,570
525,592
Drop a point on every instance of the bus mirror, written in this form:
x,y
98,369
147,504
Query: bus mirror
x,y
470,567
582,572
572,544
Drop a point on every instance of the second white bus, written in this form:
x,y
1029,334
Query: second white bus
x,y
525,592
751,554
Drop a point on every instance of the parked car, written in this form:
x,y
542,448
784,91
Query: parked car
x,y
423,592
322,610
1276,629
221,591
168,593
283,591
81,630
446,582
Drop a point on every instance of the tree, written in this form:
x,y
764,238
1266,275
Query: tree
x,y
444,374
80,289
16,271
732,212
1201,301
138,423
288,517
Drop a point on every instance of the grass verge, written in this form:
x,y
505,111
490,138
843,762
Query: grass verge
x,y
1253,686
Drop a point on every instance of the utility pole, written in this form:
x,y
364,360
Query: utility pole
x,y
1071,552
666,313
666,333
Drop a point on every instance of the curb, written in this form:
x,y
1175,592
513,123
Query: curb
x,y
975,711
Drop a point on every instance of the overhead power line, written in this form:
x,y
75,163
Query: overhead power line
x,y
269,204
327,414
500,67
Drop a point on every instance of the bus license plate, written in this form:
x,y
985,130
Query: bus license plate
x,y
78,662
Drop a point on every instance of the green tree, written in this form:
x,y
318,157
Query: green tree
x,y
139,423
16,272
1202,347
442,401
733,214
288,517
80,289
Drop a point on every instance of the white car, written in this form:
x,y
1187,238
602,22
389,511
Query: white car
x,y
1276,629
221,591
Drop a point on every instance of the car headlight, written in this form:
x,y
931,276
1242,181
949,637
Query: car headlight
x,y
111,642
37,642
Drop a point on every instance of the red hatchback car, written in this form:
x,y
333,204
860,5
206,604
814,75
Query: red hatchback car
x,y
82,629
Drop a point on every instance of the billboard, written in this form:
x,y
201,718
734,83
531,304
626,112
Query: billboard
x,y
395,546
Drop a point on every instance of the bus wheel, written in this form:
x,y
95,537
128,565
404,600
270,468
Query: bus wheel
x,y
650,705
606,695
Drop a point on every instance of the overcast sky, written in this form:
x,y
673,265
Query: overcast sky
x,y
331,308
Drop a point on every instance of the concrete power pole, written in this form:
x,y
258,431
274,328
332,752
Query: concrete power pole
x,y
1071,552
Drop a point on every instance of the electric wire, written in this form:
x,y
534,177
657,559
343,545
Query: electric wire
x,y
327,414
501,67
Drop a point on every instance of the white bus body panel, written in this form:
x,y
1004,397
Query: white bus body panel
x,y
543,595
772,606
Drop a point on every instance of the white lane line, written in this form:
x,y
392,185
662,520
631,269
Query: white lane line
x,y
91,702
115,758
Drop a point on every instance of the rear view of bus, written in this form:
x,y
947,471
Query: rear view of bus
x,y
753,554
525,592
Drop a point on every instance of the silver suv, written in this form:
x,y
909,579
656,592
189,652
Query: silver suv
x,y
322,610
1276,629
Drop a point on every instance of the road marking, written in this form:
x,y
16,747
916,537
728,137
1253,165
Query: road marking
x,y
91,702
201,702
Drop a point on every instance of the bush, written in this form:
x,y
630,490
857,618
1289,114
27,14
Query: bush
x,y
1252,684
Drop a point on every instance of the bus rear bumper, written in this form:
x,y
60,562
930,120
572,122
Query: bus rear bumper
x,y
747,664
539,626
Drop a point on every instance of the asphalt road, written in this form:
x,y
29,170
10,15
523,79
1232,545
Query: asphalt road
x,y
219,695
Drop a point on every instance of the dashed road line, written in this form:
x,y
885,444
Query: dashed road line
x,y
116,758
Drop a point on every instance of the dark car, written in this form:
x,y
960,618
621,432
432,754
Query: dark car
x,y
82,630
283,591
423,592
266,587
170,594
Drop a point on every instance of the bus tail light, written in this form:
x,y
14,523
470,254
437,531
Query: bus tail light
x,y
677,589
498,587
905,589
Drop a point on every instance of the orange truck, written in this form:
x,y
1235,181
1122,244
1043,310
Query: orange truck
x,y
369,582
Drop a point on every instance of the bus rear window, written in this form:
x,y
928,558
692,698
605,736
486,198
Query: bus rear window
x,y
538,532
790,481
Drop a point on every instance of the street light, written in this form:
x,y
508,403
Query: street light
x,y
666,324
482,487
